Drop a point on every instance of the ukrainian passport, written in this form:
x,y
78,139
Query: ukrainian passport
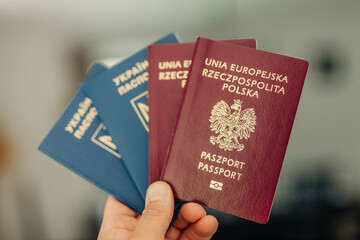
x,y
168,71
233,128
120,95
80,142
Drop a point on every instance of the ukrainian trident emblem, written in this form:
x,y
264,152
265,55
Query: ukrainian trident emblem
x,y
231,126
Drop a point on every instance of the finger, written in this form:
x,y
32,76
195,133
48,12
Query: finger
x,y
204,229
118,218
114,209
158,212
189,213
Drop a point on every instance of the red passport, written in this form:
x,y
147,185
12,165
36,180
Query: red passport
x,y
168,71
233,128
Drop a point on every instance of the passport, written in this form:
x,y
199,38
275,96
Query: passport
x,y
80,142
168,70
233,129
121,96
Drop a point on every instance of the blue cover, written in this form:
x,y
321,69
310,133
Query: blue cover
x,y
120,95
85,147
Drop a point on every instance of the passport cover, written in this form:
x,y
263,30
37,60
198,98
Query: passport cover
x,y
233,128
120,95
168,70
80,142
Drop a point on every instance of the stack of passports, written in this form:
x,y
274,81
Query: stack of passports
x,y
211,118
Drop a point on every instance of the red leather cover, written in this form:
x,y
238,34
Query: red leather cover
x,y
233,128
168,70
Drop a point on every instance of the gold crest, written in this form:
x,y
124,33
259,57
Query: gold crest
x,y
231,126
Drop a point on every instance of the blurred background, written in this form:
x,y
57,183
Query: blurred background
x,y
47,46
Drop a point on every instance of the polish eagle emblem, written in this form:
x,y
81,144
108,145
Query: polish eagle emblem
x,y
231,126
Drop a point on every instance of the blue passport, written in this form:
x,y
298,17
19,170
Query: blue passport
x,y
121,97
80,142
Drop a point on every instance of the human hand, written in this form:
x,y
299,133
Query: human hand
x,y
122,223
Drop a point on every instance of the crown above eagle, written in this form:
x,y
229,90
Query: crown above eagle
x,y
238,102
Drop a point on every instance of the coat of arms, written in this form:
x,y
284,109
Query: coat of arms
x,y
231,126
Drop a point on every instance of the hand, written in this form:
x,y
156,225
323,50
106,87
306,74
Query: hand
x,y
122,223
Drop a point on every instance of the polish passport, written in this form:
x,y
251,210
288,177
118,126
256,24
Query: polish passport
x,y
168,71
120,94
80,142
233,129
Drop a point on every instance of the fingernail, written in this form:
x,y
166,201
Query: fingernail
x,y
156,192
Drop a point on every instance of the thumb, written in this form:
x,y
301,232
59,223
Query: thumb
x,y
157,215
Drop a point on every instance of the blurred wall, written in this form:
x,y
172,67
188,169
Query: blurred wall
x,y
38,197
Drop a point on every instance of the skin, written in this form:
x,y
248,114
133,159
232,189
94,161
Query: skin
x,y
122,223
